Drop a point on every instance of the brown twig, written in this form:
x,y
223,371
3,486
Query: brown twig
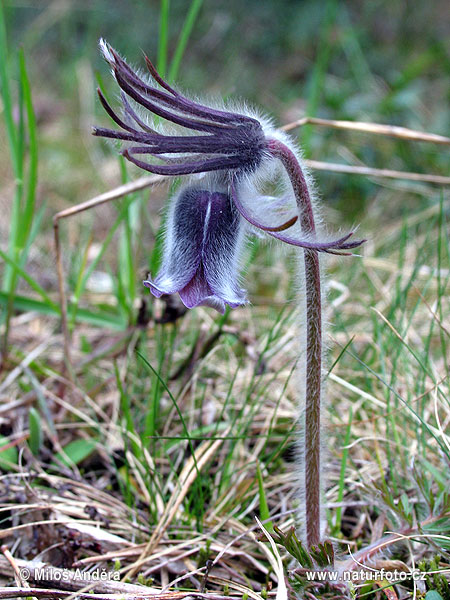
x,y
373,128
377,129
369,171
10,558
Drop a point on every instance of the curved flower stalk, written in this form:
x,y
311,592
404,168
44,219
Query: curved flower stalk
x,y
226,158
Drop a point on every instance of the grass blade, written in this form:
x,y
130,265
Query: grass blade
x,y
186,31
163,37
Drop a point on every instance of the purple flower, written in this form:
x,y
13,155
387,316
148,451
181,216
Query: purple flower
x,y
227,157
202,250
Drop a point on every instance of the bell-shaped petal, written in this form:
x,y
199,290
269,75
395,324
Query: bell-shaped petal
x,y
199,293
223,241
203,244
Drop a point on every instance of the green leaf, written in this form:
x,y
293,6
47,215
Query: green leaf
x,y
433,595
263,506
35,425
28,209
6,96
75,452
8,456
99,319
31,282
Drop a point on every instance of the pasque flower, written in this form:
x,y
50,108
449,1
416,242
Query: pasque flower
x,y
226,157
240,175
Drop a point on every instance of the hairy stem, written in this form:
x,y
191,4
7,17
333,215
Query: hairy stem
x,y
313,343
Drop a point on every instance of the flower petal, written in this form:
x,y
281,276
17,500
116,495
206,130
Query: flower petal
x,y
183,243
161,286
198,293
224,238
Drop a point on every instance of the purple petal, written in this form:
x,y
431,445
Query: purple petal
x,y
198,293
162,285
183,244
203,240
221,250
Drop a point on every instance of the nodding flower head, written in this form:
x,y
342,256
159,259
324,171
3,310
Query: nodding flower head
x,y
228,157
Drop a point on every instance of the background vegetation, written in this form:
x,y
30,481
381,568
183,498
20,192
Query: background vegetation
x,y
155,386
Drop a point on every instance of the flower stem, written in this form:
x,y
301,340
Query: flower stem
x,y
313,343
